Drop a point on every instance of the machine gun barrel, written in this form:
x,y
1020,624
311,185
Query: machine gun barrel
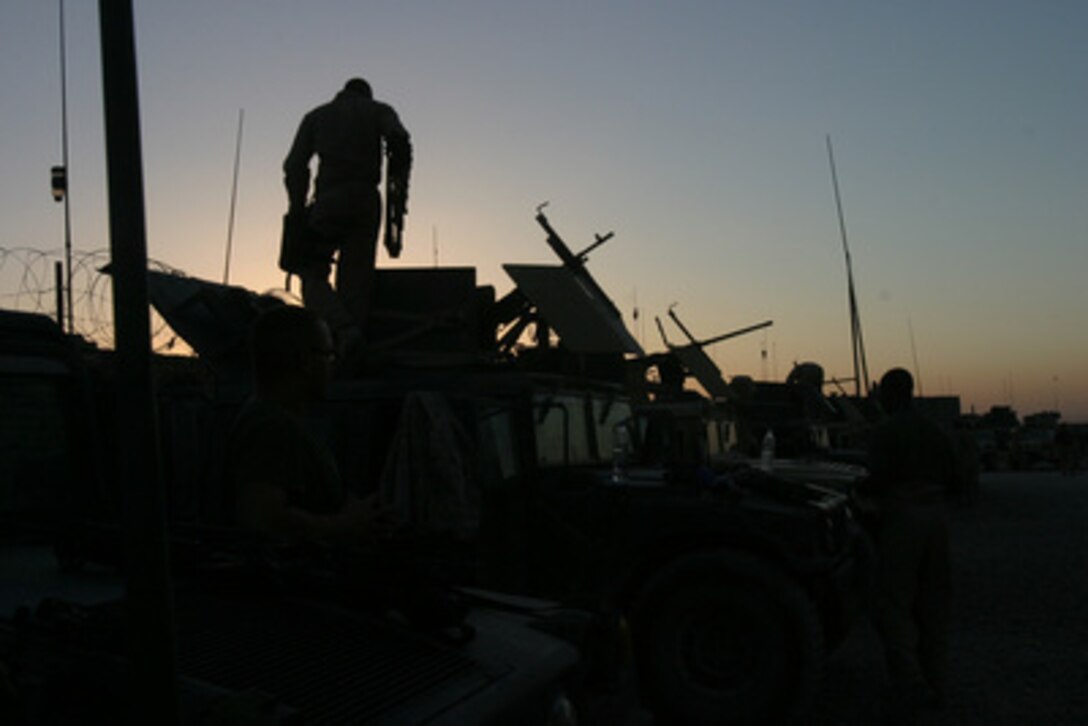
x,y
556,242
575,263
735,333
600,240
717,338
683,328
661,329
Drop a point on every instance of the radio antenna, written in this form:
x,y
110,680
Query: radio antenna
x,y
861,368
233,195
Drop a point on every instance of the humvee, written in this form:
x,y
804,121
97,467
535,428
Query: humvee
x,y
269,635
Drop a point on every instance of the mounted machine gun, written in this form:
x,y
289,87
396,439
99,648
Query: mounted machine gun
x,y
678,362
564,299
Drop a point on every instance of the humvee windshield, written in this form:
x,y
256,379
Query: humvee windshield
x,y
609,414
576,430
498,446
721,438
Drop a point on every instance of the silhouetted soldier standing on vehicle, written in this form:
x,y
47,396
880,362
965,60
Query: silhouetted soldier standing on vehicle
x,y
912,466
349,136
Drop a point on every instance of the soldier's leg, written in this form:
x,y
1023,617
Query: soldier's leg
x,y
934,592
355,267
318,295
900,549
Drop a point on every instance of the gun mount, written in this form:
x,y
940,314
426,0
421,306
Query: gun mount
x,y
678,362
568,301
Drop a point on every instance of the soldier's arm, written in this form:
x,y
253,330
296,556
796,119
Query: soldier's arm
x,y
296,167
879,461
398,144
264,507
952,465
264,476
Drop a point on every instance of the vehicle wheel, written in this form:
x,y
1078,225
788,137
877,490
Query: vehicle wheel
x,y
723,637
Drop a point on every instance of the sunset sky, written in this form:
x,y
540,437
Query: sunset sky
x,y
695,130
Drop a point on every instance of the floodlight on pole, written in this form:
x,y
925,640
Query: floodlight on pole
x,y
60,173
58,180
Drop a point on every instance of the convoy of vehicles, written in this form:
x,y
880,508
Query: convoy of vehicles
x,y
517,468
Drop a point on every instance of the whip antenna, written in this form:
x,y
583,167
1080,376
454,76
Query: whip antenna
x,y
861,368
233,195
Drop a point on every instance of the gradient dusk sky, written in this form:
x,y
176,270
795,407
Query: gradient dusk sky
x,y
695,130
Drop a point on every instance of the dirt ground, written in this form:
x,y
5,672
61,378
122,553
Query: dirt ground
x,y
1019,630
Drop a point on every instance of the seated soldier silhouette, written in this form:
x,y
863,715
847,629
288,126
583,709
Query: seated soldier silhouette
x,y
286,481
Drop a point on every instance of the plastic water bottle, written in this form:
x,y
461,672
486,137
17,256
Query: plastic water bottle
x,y
766,454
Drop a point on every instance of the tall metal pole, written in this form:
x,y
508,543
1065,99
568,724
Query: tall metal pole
x,y
233,195
149,605
64,163
861,368
58,285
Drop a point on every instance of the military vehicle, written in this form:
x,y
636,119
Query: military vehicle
x,y
506,434
265,634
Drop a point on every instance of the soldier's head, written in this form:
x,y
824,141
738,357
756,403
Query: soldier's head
x,y
358,85
292,352
896,388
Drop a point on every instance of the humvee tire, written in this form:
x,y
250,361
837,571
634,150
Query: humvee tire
x,y
724,634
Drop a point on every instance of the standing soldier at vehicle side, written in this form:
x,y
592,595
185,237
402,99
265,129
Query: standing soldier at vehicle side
x,y
913,468
1067,448
348,135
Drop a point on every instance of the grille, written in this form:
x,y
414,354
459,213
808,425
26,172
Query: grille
x,y
330,664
